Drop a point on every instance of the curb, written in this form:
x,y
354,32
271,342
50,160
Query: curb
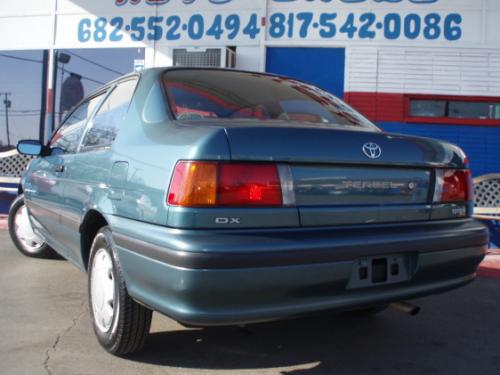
x,y
3,222
490,268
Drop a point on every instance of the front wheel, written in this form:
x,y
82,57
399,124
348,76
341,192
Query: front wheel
x,y
22,234
121,324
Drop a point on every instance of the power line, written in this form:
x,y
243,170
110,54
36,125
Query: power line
x,y
23,110
95,63
21,58
21,115
41,62
83,77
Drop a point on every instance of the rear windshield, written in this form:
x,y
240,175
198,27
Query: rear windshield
x,y
226,95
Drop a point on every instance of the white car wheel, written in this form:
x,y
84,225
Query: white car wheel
x,y
120,323
21,232
102,289
22,227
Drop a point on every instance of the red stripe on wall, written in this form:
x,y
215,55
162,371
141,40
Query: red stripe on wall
x,y
378,106
385,107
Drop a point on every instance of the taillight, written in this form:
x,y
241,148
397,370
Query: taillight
x,y
249,185
214,184
453,186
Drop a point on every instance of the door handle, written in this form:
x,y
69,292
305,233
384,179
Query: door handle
x,y
59,168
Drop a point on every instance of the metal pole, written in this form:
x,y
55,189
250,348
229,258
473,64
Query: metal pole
x,y
7,104
60,95
43,104
55,66
7,118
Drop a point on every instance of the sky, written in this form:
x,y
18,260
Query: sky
x,y
23,80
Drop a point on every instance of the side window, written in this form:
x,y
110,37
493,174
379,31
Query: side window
x,y
110,117
68,136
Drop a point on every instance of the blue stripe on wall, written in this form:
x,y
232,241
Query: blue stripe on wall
x,y
6,197
5,201
480,143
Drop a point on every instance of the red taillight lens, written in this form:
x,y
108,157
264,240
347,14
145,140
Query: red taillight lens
x,y
454,186
249,185
211,184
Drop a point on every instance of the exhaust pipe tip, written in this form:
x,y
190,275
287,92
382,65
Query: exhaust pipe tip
x,y
406,308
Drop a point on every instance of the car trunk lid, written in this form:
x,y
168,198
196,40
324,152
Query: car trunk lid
x,y
338,181
315,144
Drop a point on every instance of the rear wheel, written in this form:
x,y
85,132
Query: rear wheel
x,y
121,324
22,234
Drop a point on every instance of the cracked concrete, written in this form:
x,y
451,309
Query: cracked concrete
x,y
45,328
61,335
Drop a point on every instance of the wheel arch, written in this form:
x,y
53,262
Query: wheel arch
x,y
91,224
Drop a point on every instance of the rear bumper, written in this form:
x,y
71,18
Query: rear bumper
x,y
242,276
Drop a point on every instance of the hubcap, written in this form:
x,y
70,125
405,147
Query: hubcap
x,y
24,232
102,289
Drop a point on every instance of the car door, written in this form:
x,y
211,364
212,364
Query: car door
x,y
90,168
44,188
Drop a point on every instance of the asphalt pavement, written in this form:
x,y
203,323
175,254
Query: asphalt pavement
x,y
45,329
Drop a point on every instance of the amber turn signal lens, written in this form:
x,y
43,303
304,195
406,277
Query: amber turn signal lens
x,y
194,184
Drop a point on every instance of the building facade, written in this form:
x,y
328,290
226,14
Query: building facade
x,y
423,67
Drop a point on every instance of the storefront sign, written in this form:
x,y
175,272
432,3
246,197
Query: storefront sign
x,y
239,22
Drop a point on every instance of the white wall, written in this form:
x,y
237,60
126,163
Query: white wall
x,y
469,65
447,71
26,24
248,58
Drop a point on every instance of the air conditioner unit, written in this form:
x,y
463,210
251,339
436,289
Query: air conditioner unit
x,y
205,57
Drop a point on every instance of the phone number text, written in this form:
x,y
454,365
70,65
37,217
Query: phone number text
x,y
301,25
172,28
392,26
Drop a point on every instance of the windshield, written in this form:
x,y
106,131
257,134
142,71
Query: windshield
x,y
220,94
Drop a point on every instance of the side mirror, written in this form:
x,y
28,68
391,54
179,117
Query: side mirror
x,y
30,147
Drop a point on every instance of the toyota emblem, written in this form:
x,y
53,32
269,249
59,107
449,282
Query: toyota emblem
x,y
372,150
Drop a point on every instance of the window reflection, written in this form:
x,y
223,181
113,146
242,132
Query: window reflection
x,y
67,138
110,116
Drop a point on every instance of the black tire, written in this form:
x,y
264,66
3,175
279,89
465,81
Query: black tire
x,y
42,251
131,321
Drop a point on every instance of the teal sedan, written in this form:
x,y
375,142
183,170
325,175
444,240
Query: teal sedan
x,y
222,197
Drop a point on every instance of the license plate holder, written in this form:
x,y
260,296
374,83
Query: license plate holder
x,y
379,270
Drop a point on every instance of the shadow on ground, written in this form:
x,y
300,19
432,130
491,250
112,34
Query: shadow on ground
x,y
387,343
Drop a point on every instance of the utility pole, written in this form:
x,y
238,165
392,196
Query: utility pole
x,y
7,104
43,102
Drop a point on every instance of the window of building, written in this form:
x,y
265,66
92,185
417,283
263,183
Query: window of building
x,y
469,110
428,108
466,110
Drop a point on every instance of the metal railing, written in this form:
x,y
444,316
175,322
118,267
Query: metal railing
x,y
12,165
487,197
